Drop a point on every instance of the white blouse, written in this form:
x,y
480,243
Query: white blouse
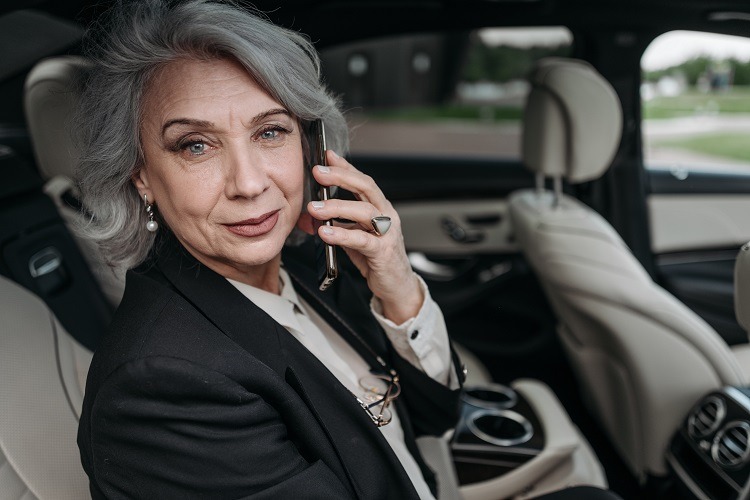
x,y
422,340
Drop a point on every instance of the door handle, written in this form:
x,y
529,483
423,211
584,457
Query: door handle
x,y
459,234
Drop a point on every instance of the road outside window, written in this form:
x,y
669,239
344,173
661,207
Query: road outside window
x,y
696,102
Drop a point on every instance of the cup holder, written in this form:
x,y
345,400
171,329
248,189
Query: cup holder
x,y
490,396
500,427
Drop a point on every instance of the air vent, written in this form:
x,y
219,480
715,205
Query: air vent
x,y
731,446
707,418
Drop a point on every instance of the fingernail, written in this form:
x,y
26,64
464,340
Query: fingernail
x,y
323,169
317,205
327,230
335,155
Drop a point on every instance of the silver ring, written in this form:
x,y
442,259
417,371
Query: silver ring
x,y
380,224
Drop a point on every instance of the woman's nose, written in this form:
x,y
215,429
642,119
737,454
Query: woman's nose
x,y
246,174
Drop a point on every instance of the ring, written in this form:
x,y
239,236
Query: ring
x,y
380,224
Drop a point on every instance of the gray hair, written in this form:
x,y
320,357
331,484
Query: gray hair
x,y
138,38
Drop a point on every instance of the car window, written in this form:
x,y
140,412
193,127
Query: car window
x,y
449,94
696,102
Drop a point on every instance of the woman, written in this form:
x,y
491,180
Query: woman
x,y
225,373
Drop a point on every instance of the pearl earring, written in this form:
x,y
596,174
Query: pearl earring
x,y
151,225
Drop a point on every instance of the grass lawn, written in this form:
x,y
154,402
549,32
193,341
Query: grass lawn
x,y
727,145
737,100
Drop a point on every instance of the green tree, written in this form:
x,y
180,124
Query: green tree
x,y
503,63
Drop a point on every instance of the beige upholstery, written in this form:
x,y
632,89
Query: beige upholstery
x,y
42,374
50,96
641,357
568,127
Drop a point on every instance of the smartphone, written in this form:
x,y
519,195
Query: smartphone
x,y
325,254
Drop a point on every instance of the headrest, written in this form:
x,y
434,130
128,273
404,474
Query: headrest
x,y
742,287
572,121
50,97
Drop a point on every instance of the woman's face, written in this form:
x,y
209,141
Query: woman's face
x,y
223,164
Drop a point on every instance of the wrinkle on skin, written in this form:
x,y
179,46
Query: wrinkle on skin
x,y
249,164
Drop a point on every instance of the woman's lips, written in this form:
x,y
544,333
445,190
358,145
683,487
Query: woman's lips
x,y
255,227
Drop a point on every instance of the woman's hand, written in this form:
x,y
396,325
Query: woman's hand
x,y
382,259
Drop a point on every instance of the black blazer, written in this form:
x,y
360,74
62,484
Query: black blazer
x,y
197,393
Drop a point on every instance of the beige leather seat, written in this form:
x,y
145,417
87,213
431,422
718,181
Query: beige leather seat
x,y
42,376
641,357
50,95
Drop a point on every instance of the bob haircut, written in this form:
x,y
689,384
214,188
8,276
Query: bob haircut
x,y
134,40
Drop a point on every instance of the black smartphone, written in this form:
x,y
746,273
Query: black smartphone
x,y
325,254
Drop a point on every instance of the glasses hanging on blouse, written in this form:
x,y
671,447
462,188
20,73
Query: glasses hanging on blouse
x,y
379,392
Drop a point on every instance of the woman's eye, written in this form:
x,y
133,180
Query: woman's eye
x,y
272,133
269,134
195,148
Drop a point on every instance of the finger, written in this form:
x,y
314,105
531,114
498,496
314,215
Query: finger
x,y
361,241
343,174
355,211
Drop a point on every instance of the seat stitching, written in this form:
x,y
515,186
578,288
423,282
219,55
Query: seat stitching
x,y
20,479
710,338
551,257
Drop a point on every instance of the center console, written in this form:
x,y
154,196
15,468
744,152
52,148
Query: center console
x,y
497,433
519,440
710,454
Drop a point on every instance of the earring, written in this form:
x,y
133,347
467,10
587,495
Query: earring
x,y
151,225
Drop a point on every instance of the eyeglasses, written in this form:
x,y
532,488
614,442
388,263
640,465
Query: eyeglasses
x,y
380,390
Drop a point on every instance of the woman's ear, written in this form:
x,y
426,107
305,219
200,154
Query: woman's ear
x,y
140,181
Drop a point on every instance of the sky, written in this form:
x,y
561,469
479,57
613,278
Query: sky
x,y
525,37
678,46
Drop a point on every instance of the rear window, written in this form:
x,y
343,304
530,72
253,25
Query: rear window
x,y
446,94
696,102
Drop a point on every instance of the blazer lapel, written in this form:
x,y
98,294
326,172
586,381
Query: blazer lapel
x,y
359,445
223,305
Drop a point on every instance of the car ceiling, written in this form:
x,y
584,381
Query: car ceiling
x,y
330,21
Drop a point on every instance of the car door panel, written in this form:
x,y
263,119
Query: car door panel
x,y
705,282
693,221
455,227
699,220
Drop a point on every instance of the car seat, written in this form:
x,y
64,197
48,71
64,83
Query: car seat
x,y
641,357
43,372
51,93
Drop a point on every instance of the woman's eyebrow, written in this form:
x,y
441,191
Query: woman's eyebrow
x,y
186,121
207,124
265,114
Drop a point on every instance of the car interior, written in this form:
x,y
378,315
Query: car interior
x,y
596,292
